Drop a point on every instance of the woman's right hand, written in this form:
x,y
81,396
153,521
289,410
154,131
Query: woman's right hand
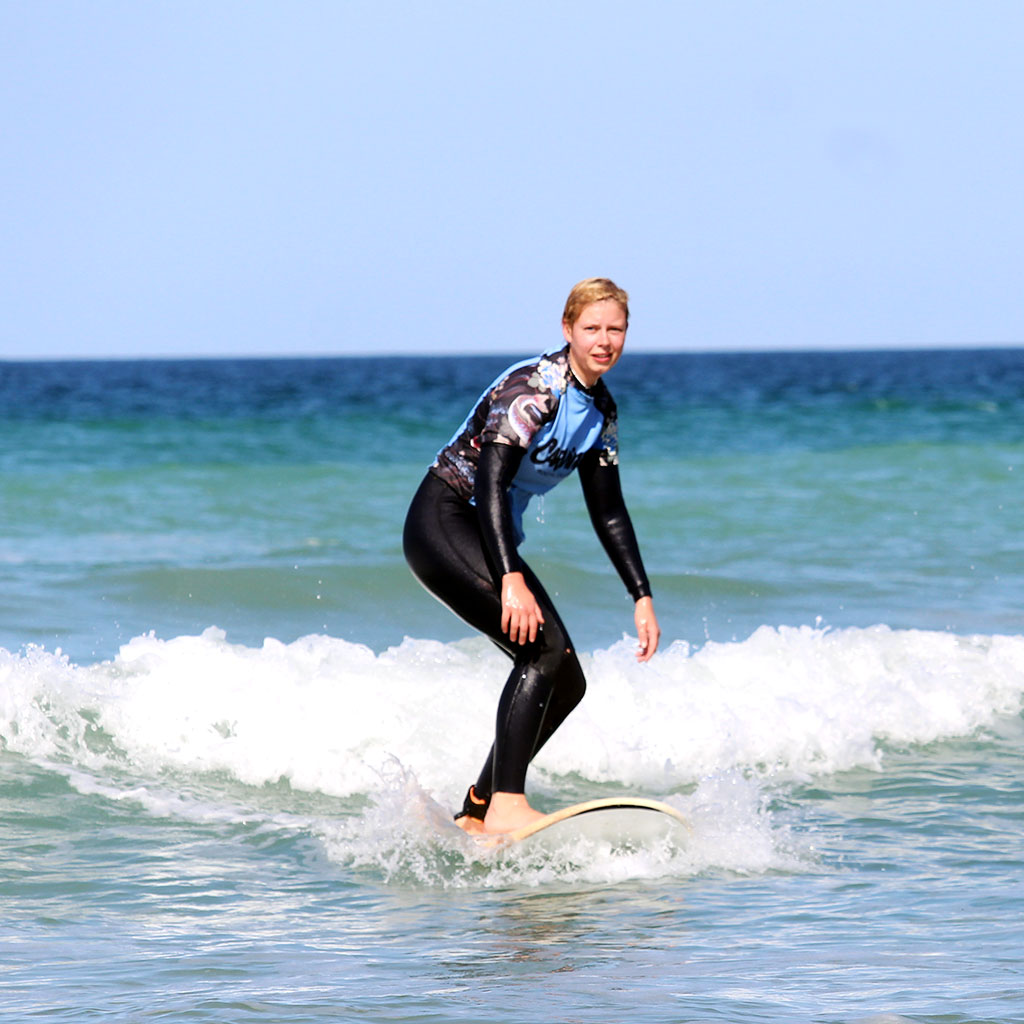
x,y
521,616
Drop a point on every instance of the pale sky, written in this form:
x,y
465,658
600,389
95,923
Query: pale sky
x,y
333,178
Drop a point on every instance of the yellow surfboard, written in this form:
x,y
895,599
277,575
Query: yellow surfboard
x,y
614,819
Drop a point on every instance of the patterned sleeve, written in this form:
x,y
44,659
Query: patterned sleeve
x,y
609,442
519,406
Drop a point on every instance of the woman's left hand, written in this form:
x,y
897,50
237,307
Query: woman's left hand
x,y
647,630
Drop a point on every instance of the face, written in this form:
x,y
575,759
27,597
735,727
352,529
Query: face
x,y
596,340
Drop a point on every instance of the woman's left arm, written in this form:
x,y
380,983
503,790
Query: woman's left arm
x,y
602,491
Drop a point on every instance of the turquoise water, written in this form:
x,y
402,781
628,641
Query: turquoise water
x,y
232,727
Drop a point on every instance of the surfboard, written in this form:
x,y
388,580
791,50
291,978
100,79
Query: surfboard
x,y
610,819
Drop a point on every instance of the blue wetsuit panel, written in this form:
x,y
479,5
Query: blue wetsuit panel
x,y
538,405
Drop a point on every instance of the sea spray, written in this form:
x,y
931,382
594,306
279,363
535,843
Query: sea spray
x,y
407,838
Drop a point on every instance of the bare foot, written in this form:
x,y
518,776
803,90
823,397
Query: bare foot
x,y
509,811
473,826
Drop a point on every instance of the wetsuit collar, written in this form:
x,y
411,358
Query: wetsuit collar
x,y
575,380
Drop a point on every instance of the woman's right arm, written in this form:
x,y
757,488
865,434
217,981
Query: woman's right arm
x,y
521,616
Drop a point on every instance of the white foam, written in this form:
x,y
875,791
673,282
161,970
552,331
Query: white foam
x,y
326,715
796,701
712,729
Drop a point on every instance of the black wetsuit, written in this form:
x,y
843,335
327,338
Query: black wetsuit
x,y
531,428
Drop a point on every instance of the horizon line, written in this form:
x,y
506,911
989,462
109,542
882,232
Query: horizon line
x,y
459,353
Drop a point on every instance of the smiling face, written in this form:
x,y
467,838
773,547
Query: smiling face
x,y
596,339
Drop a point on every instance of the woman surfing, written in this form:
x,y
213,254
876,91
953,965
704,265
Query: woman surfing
x,y
539,421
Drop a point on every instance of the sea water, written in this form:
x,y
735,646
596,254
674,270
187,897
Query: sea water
x,y
233,728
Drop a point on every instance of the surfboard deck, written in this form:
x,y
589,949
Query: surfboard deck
x,y
609,818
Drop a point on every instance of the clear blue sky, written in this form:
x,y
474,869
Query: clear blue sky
x,y
255,178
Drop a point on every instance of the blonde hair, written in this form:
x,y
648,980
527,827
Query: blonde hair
x,y
593,289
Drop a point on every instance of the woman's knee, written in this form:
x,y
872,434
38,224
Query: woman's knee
x,y
571,684
559,664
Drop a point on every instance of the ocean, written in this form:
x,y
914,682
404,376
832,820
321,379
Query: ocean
x,y
233,728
